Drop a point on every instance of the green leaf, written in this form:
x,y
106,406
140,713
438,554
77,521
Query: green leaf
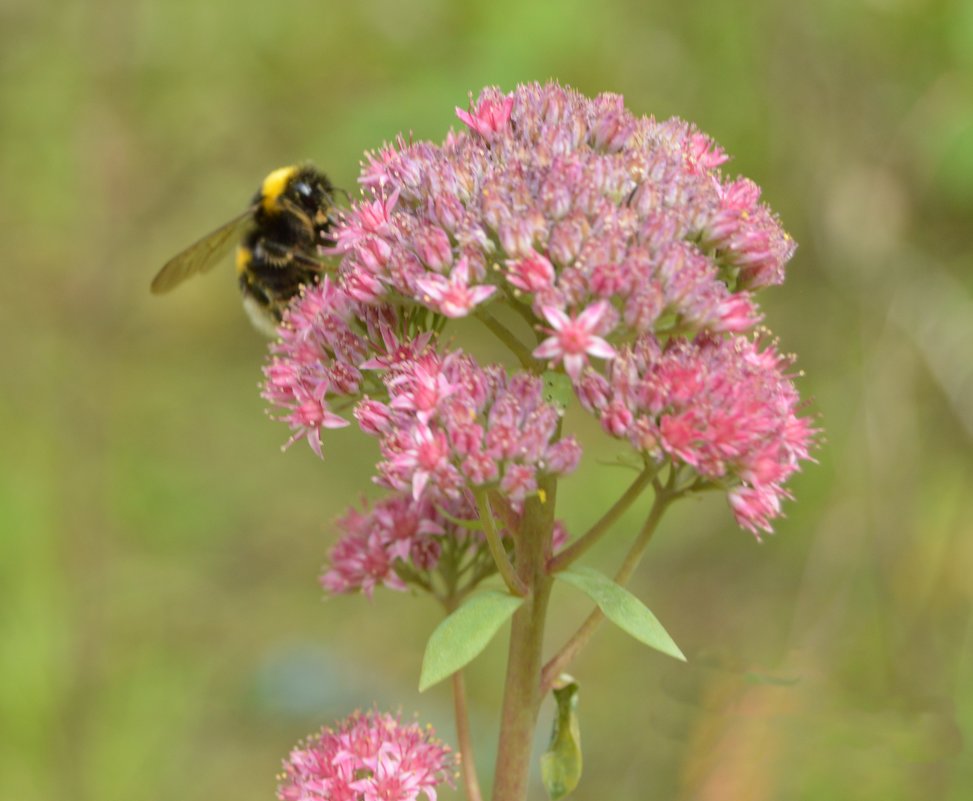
x,y
461,637
557,389
561,763
622,608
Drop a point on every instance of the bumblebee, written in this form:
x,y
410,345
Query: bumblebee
x,y
289,218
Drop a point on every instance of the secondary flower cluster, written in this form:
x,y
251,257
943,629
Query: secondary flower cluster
x,y
400,539
368,757
725,407
450,424
397,529
445,424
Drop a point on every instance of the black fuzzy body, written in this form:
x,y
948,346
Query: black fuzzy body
x,y
281,252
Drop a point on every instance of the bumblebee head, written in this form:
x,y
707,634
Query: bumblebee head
x,y
305,187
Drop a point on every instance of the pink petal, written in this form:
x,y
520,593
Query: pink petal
x,y
480,294
600,348
591,316
573,364
550,348
557,318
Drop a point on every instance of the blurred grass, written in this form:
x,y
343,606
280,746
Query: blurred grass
x,y
162,632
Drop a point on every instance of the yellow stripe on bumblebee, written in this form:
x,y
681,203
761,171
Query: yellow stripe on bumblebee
x,y
243,258
274,186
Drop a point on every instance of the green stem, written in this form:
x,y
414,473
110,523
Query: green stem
x,y
581,545
464,740
521,695
525,312
514,582
469,525
579,639
508,338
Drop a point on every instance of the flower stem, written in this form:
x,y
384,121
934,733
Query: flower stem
x,y
525,312
508,338
558,662
521,695
514,582
470,781
583,543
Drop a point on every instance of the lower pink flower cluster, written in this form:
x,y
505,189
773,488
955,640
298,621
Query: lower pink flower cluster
x,y
400,540
723,406
368,757
398,529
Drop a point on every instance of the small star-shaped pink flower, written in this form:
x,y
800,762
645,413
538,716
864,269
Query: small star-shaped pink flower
x,y
489,117
455,297
310,414
371,219
574,340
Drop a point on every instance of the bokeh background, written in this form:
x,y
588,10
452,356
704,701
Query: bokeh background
x,y
162,635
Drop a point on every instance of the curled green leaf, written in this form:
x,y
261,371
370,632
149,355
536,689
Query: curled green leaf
x,y
561,764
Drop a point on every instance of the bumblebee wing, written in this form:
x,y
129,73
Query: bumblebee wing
x,y
200,256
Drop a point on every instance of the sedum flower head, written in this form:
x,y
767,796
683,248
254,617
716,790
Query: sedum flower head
x,y
367,757
561,203
631,259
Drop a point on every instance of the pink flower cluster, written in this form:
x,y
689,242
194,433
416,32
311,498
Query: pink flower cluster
x,y
724,406
605,232
368,757
323,346
397,529
445,423
400,540
450,424
601,222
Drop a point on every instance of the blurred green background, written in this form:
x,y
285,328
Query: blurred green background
x,y
162,635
